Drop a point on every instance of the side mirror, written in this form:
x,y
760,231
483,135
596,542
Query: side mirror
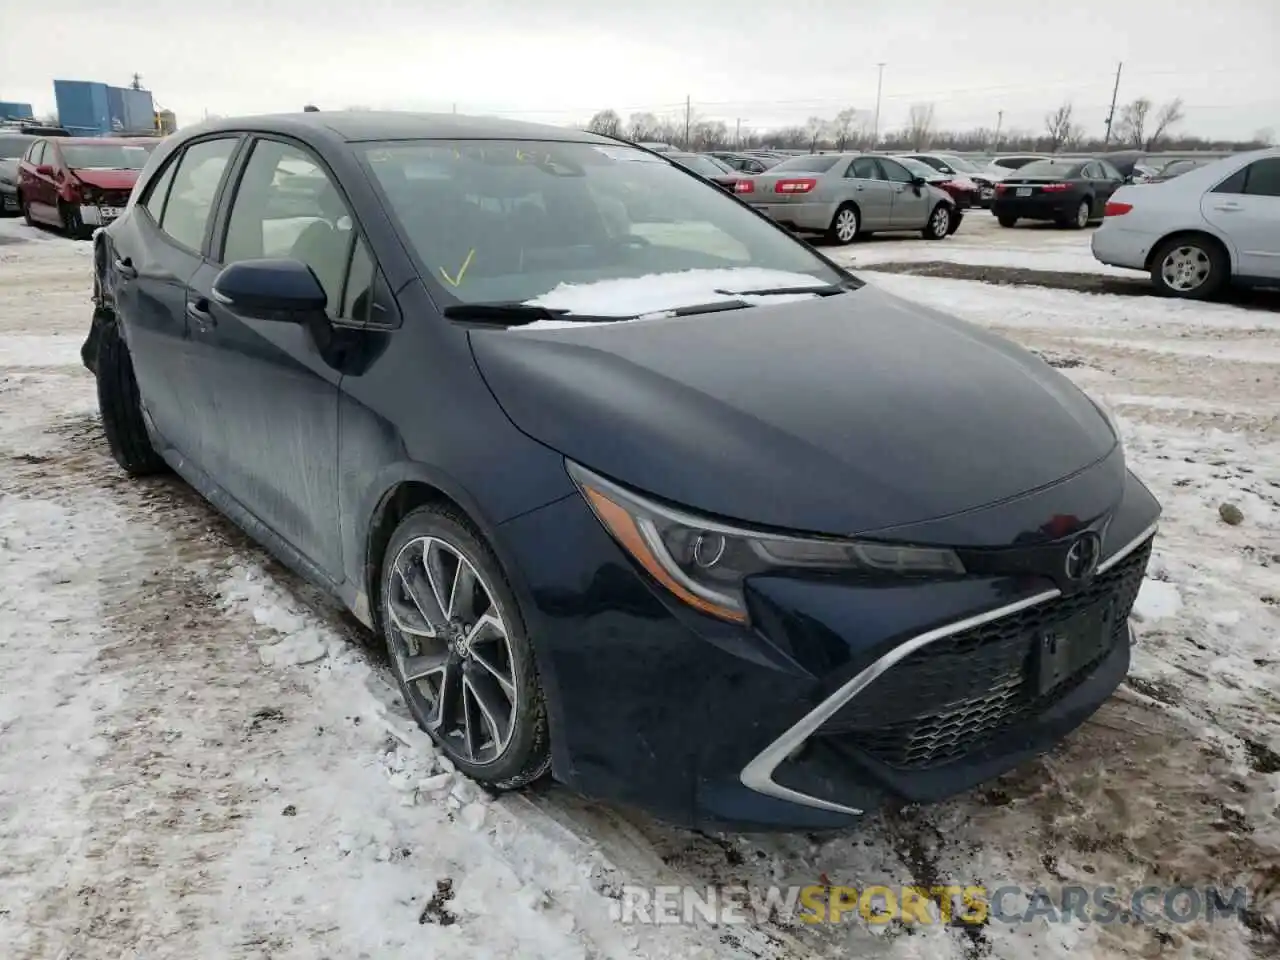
x,y
918,181
45,170
283,290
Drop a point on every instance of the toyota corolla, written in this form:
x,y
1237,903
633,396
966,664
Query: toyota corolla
x,y
640,491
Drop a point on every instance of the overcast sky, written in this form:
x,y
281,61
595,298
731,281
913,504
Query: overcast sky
x,y
768,64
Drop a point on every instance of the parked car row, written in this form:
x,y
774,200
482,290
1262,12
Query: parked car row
x,y
73,183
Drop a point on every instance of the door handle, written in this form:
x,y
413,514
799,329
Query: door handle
x,y
125,268
1227,207
198,311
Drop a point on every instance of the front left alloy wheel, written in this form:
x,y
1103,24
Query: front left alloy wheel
x,y
459,650
939,225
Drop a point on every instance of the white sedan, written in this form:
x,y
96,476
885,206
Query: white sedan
x,y
1195,233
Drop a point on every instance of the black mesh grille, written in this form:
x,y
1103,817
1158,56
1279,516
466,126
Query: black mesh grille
x,y
952,696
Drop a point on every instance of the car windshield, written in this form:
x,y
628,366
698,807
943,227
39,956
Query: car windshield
x,y
706,166
919,168
959,163
1048,168
107,156
583,227
813,163
13,147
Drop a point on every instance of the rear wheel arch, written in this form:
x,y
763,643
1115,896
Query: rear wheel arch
x,y
1202,235
840,208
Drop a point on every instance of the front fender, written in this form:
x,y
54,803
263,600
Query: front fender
x,y
372,504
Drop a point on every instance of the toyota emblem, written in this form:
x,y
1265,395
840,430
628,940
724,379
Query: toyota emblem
x,y
1082,558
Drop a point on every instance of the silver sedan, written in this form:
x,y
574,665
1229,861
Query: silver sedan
x,y
847,195
1199,231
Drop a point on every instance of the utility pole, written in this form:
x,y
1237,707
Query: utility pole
x,y
455,108
737,136
875,129
999,124
1114,93
137,82
688,120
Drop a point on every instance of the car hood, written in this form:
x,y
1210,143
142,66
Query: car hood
x,y
108,179
839,415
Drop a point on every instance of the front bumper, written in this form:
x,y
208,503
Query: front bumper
x,y
840,697
812,217
95,215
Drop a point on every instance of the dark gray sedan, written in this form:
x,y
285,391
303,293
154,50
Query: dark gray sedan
x,y
843,196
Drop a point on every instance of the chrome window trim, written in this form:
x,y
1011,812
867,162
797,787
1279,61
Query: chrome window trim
x,y
758,774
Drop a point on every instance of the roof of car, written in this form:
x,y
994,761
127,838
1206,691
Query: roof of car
x,y
360,125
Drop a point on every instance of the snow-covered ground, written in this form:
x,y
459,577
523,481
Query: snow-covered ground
x,y
982,242
199,759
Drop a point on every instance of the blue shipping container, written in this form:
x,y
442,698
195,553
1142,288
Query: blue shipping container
x,y
16,111
82,107
115,109
139,110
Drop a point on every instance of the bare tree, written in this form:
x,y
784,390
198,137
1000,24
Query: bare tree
x,y
1132,128
606,123
642,126
815,128
1170,114
1265,136
842,128
920,125
1060,127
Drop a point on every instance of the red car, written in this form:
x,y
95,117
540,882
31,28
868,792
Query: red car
x,y
964,191
79,183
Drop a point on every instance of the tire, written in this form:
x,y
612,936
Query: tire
x,y
442,533
26,210
1180,261
1084,213
1007,221
938,226
121,407
846,225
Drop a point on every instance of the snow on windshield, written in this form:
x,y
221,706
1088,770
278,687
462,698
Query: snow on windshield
x,y
659,292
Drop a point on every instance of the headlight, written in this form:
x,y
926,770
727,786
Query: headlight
x,y
704,562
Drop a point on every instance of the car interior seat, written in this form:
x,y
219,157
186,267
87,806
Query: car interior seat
x,y
324,245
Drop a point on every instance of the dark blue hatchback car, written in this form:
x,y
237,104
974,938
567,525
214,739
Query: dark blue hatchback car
x,y
637,488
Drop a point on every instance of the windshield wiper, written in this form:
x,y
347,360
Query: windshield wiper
x,y
516,314
820,290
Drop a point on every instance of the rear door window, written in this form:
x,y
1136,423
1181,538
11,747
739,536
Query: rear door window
x,y
158,190
194,190
1264,178
1234,183
865,168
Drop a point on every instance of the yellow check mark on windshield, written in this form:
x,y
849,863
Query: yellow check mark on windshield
x,y
462,270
